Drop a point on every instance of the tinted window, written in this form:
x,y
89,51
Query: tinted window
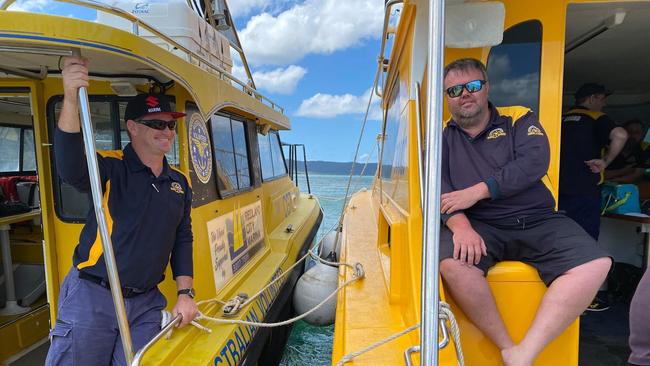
x,y
271,157
266,160
14,141
279,166
241,154
9,149
29,153
514,66
231,154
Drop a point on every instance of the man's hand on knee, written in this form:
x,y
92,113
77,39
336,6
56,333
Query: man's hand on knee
x,y
468,246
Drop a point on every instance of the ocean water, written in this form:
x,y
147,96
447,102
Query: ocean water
x,y
311,345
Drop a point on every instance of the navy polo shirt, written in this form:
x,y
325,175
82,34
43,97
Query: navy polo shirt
x,y
511,156
148,216
584,134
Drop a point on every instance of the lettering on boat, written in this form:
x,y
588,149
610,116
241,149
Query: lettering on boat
x,y
232,353
234,239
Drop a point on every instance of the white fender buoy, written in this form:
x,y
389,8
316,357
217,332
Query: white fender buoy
x,y
312,288
329,245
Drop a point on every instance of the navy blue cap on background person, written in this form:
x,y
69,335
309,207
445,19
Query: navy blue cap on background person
x,y
589,89
144,104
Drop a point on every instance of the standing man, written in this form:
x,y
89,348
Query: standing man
x,y
495,208
586,131
147,205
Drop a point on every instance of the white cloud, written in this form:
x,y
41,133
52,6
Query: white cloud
x,y
330,106
363,158
30,5
240,8
280,80
315,26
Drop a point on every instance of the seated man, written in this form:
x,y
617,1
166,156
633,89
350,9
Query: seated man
x,y
630,164
495,207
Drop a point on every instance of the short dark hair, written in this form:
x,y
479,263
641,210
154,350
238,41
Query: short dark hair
x,y
634,121
465,64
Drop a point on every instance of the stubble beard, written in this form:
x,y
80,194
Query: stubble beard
x,y
469,119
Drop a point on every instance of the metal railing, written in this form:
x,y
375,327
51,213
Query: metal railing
x,y
138,356
384,36
138,23
107,245
431,209
293,163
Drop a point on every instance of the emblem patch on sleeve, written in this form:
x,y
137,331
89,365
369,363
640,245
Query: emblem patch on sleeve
x,y
534,131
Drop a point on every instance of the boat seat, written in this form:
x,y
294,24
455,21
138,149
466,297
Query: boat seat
x,y
518,291
29,282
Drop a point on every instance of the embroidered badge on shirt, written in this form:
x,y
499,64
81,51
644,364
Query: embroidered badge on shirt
x,y
534,131
176,187
496,133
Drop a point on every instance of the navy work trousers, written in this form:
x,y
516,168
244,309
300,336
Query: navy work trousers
x,y
86,330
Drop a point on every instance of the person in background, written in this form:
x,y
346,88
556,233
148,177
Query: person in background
x,y
586,132
630,164
495,207
147,204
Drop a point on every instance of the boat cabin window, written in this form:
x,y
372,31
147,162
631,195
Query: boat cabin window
x,y
230,146
107,114
514,66
17,154
271,156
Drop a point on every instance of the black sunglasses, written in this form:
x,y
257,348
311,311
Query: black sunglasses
x,y
158,124
472,87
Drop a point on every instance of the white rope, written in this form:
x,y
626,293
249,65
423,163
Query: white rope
x,y
357,275
350,356
445,314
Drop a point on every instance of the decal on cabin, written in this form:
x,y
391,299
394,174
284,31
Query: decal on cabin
x,y
200,148
234,239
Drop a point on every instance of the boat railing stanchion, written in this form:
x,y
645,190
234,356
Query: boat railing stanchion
x,y
431,210
107,246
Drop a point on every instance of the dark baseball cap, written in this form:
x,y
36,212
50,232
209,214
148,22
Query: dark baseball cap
x,y
144,104
591,89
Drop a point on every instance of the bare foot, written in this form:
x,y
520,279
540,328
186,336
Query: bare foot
x,y
515,356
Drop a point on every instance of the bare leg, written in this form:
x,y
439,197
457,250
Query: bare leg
x,y
470,290
566,298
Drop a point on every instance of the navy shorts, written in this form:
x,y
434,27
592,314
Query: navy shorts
x,y
552,243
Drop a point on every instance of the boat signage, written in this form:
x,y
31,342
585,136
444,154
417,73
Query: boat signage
x,y
234,239
200,148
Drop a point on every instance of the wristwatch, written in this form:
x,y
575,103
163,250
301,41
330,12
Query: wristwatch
x,y
186,291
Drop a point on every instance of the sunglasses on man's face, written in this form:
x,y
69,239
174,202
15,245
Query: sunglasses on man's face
x,y
158,124
472,87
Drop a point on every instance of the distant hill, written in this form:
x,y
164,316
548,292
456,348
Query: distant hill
x,y
337,168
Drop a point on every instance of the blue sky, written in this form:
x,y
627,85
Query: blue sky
x,y
316,58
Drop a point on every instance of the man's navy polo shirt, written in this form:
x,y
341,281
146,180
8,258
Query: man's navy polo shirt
x,y
584,134
148,216
511,156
